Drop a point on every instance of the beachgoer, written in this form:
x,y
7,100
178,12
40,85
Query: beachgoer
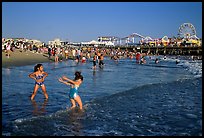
x,y
164,56
66,53
78,56
98,56
49,52
57,52
83,60
94,61
156,61
138,57
73,94
53,51
8,48
73,54
143,61
177,61
39,75
101,61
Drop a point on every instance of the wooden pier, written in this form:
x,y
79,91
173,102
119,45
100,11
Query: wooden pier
x,y
167,50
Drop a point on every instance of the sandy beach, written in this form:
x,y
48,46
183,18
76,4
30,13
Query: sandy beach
x,y
18,58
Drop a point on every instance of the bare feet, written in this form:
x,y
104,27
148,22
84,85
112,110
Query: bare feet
x,y
32,97
72,107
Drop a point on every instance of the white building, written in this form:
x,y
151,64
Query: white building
x,y
55,42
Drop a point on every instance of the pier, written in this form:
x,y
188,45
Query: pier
x,y
166,50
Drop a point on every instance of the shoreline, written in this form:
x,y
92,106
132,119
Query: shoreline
x,y
18,58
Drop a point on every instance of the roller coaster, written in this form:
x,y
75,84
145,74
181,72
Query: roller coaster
x,y
132,39
186,31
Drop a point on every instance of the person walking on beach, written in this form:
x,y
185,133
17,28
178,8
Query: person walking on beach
x,y
66,52
8,49
73,93
39,75
57,52
49,52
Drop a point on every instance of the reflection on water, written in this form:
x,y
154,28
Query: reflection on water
x,y
94,72
39,108
75,119
8,71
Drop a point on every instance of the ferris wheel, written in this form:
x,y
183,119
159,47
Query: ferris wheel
x,y
186,30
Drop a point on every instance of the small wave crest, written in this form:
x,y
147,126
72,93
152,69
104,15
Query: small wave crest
x,y
58,123
195,67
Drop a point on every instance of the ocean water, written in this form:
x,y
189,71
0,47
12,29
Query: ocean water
x,y
122,99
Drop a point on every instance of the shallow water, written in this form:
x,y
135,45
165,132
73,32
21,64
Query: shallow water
x,y
123,98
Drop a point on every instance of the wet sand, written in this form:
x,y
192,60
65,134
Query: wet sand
x,y
18,58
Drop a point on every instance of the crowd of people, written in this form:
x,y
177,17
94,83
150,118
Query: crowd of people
x,y
10,46
79,54
60,53
87,53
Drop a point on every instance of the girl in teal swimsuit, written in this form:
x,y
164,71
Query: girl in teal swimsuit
x,y
73,93
39,75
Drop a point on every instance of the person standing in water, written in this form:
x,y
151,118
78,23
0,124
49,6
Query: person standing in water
x,y
156,61
101,61
73,93
39,75
94,62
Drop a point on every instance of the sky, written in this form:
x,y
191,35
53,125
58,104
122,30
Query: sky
x,y
86,21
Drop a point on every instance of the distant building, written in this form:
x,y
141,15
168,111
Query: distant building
x,y
108,40
55,42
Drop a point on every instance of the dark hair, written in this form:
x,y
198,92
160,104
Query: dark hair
x,y
36,67
78,75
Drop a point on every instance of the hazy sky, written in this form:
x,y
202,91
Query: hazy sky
x,y
85,21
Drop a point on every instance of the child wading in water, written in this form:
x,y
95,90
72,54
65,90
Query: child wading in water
x,y
39,75
73,93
